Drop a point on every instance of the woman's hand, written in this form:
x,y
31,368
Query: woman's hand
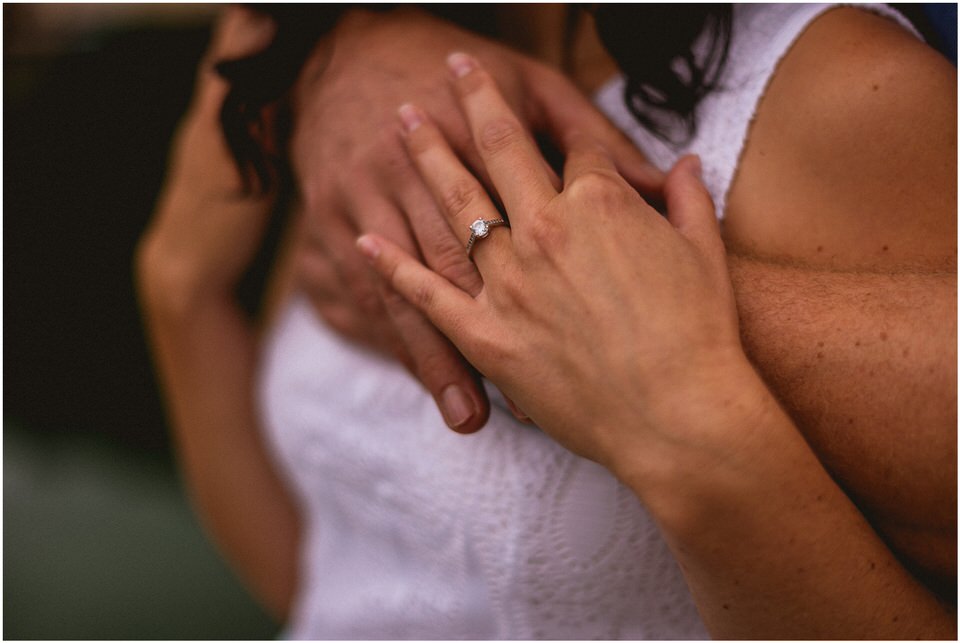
x,y
604,321
356,177
616,330
206,229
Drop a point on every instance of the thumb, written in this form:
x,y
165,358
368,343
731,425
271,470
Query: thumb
x,y
689,205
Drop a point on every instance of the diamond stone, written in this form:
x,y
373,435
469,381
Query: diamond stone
x,y
480,228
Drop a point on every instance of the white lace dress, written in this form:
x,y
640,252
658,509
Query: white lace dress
x,y
415,532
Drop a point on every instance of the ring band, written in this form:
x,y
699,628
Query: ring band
x,y
480,229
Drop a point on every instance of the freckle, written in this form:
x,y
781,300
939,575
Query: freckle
x,y
820,498
819,248
873,565
896,618
850,421
725,606
800,570
857,343
883,337
906,351
876,87
820,344
819,355
885,248
736,581
930,370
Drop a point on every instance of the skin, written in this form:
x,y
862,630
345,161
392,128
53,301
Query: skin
x,y
360,179
770,546
859,256
204,233
787,305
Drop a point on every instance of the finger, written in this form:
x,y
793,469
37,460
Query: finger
x,y
344,320
515,164
462,143
585,155
441,248
435,362
690,207
459,195
439,367
450,309
334,238
561,109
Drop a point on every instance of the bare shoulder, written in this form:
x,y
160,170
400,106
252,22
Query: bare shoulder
x,y
851,159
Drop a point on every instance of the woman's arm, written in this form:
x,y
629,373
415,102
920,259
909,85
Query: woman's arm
x,y
202,236
617,332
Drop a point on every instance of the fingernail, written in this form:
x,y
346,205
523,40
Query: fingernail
x,y
368,247
696,166
456,406
410,116
461,64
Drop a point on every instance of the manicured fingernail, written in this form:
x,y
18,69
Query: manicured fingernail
x,y
410,116
368,247
461,64
456,406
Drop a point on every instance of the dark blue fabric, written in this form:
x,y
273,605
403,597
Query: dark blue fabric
x,y
943,19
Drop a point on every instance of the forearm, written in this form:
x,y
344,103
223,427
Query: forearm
x,y
769,545
865,363
206,354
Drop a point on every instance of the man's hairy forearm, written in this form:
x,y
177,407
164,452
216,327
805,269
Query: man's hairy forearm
x,y
865,363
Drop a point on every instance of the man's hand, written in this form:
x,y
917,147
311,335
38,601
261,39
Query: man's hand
x,y
355,175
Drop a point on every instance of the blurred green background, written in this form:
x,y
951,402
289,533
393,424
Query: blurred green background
x,y
99,538
99,543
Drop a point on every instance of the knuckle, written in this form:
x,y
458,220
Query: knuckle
x,y
448,258
459,196
547,233
491,351
499,134
422,296
396,305
600,189
596,185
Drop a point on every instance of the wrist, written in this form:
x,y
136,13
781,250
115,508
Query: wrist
x,y
171,286
697,441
